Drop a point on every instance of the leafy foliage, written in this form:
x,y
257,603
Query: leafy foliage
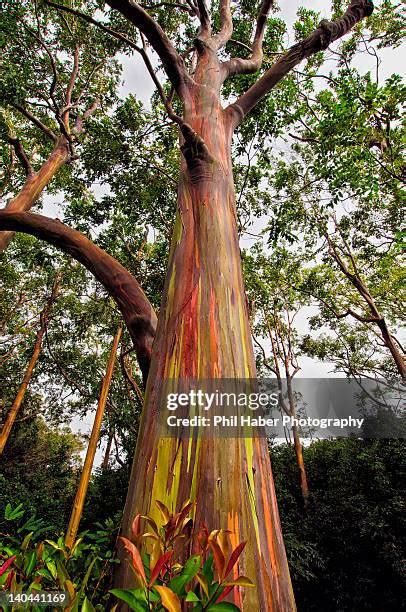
x,y
165,580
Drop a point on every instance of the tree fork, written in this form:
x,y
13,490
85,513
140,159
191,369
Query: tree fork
x,y
35,184
81,492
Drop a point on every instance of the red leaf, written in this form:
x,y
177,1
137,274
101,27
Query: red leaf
x,y
234,558
9,580
135,558
7,564
219,560
224,594
183,513
159,565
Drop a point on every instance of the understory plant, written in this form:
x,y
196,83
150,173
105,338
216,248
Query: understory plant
x,y
29,563
165,580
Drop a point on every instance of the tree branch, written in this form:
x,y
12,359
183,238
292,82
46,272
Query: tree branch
x,y
238,65
137,311
204,17
47,131
21,154
173,62
69,89
226,19
320,39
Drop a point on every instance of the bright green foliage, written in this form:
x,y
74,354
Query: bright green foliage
x,y
35,564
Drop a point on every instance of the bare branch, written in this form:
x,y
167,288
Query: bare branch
x,y
88,113
204,17
172,61
155,7
137,311
319,40
238,65
69,89
47,131
226,31
21,154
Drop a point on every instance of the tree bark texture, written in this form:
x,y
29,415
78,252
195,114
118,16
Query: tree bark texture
x,y
203,333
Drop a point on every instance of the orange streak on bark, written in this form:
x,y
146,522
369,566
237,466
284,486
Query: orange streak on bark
x,y
203,332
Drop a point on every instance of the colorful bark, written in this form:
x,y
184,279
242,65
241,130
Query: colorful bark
x,y
203,333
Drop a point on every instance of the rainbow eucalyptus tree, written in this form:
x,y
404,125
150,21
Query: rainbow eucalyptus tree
x,y
203,329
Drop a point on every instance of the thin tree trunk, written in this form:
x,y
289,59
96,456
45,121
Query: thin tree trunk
x,y
398,357
35,184
107,452
81,492
204,333
301,466
297,444
14,410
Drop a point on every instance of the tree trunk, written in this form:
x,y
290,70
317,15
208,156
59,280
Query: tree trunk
x,y
35,184
106,458
81,492
204,333
393,348
304,487
301,466
13,412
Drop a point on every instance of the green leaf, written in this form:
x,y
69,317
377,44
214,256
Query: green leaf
x,y
52,568
207,570
31,563
189,571
87,606
223,605
192,597
135,598
13,515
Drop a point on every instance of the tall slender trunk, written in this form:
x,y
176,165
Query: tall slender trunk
x,y
304,487
81,492
204,333
107,451
15,408
35,184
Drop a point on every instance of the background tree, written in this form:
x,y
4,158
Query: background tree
x,y
274,305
